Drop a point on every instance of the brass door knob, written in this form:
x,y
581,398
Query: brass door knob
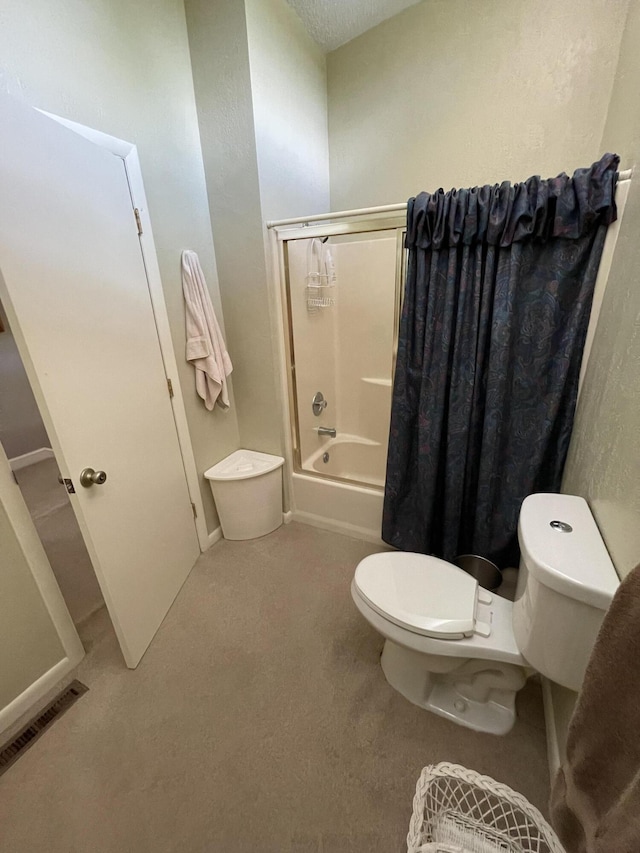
x,y
89,477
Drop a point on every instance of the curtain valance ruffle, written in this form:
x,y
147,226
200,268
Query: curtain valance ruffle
x,y
503,214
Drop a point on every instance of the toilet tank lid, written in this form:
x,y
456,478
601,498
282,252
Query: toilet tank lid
x,y
573,562
243,464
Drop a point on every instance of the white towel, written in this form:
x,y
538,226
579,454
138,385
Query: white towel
x,y
206,348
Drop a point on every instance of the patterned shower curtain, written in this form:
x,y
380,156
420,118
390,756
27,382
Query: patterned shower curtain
x,y
498,294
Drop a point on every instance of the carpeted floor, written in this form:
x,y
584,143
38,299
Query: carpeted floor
x,y
259,721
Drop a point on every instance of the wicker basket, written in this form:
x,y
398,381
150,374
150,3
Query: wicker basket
x,y
456,810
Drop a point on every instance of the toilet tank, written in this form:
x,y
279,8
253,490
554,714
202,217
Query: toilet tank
x,y
565,585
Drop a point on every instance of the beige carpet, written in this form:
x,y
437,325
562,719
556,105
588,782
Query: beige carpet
x,y
259,721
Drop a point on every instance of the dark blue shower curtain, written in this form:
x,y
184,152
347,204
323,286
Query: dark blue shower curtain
x,y
498,294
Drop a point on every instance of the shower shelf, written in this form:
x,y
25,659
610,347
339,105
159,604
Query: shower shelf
x,y
384,383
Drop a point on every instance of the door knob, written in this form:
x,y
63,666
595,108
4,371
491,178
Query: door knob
x,y
88,477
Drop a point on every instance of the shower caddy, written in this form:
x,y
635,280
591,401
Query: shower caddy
x,y
321,276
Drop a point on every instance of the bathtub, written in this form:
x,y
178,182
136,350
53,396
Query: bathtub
x,y
354,508
350,457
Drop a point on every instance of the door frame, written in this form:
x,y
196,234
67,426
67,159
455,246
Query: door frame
x,y
45,580
128,153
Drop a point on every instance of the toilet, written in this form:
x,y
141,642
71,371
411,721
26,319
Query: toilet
x,y
462,652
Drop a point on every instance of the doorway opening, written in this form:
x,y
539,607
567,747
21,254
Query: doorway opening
x,y
35,469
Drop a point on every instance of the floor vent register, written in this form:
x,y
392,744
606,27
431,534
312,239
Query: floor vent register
x,y
11,752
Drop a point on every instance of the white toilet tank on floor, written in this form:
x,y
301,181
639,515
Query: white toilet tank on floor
x,y
565,585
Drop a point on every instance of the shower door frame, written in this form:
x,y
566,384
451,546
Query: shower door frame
x,y
337,227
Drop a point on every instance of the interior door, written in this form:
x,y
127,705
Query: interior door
x,y
73,284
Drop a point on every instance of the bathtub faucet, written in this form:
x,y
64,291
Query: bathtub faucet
x,y
327,431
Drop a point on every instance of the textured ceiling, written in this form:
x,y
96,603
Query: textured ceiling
x,y
331,23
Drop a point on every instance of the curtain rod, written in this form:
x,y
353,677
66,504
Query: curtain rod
x,y
368,211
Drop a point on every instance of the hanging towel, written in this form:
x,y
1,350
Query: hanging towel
x,y
206,348
595,802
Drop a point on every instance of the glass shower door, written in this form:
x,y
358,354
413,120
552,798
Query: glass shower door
x,y
343,296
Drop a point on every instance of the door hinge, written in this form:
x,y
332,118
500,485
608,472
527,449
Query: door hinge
x,y
194,510
136,213
170,387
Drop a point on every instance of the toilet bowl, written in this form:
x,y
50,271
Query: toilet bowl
x,y
449,643
462,652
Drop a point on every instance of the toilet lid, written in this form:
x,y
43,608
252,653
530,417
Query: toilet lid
x,y
424,594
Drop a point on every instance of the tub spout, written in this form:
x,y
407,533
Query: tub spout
x,y
331,431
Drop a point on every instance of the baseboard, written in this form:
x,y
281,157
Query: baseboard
x,y
342,527
214,536
31,458
27,701
553,746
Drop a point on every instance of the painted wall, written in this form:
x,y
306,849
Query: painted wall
x,y
452,93
124,68
289,94
21,427
261,97
604,456
220,60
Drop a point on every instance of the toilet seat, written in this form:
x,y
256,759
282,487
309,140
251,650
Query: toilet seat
x,y
423,594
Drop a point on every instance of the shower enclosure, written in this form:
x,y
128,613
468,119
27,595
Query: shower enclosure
x,y
341,285
338,280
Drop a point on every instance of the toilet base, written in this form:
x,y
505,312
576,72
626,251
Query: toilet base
x,y
478,694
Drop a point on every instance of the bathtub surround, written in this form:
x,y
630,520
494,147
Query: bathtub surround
x,y
345,351
500,278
